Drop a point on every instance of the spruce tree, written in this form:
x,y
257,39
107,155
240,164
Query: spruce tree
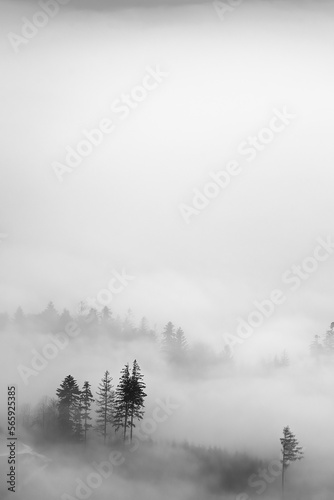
x,y
168,339
105,405
180,343
68,395
291,451
86,403
137,396
123,401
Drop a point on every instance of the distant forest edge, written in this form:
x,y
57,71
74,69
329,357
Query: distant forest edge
x,y
171,341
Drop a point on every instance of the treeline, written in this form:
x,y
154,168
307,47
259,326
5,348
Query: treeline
x,y
92,324
322,347
69,416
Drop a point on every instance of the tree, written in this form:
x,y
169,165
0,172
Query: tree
x,y
105,405
86,403
291,451
329,340
106,315
68,397
168,338
64,319
50,316
137,396
19,317
180,343
316,348
123,401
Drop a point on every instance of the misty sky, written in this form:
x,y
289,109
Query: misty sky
x,y
120,207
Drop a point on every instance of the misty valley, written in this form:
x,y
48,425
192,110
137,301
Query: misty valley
x,y
118,409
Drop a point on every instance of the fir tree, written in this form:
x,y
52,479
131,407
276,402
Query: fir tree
x,y
180,343
105,405
291,451
68,396
86,403
138,395
168,339
123,401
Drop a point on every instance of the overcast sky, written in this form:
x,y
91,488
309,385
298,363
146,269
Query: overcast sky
x,y
120,207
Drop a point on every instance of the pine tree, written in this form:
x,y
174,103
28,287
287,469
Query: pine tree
x,y
86,403
123,401
316,347
329,340
168,339
137,396
105,405
106,315
50,316
180,343
78,432
291,451
64,319
68,395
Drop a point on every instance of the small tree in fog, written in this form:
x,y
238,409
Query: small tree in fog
x,y
181,344
137,396
168,338
123,401
291,451
86,403
105,405
329,340
68,396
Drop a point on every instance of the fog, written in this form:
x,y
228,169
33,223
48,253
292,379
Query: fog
x,y
246,272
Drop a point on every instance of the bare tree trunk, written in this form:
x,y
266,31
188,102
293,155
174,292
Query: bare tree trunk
x,y
283,470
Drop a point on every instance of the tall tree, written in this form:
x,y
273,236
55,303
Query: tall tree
x,y
291,451
180,343
105,405
137,397
50,316
168,339
123,401
86,403
68,396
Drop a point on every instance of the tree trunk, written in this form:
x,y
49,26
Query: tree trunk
x,y
283,470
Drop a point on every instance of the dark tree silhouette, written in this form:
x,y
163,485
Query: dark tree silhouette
x,y
68,397
123,401
137,396
86,403
105,405
291,451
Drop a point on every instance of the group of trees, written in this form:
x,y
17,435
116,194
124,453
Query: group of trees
x,y
174,343
323,346
118,408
